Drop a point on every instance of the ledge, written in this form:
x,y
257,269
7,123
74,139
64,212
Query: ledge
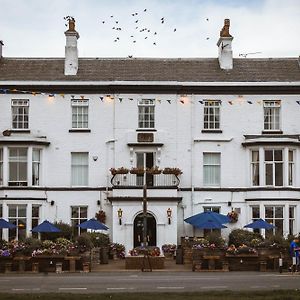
x,y
146,130
272,132
145,144
211,131
80,130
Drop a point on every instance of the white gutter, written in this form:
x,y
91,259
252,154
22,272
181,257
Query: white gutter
x,y
148,83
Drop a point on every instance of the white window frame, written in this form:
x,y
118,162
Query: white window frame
x,y
215,166
275,218
80,113
35,220
20,114
18,159
255,165
272,118
1,166
79,219
292,219
17,218
81,169
273,163
212,114
146,114
36,166
291,167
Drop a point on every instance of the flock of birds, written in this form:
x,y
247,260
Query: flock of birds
x,y
140,31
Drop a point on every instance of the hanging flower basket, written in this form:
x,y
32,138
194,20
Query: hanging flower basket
x,y
121,170
233,216
101,216
175,171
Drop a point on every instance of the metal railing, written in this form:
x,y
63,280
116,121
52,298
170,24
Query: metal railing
x,y
135,180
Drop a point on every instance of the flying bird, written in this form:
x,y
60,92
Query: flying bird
x,y
129,56
155,33
154,43
134,41
207,19
117,22
103,22
145,9
174,29
207,38
111,16
146,37
136,21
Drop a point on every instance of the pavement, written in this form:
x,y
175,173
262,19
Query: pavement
x,y
119,266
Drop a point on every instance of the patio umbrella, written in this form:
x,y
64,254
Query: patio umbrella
x,y
260,224
45,226
93,224
210,224
203,217
5,224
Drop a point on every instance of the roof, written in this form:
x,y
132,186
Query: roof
x,y
152,69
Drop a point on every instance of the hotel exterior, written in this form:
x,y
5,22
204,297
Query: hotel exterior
x,y
67,126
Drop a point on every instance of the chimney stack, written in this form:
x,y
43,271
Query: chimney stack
x,y
1,45
71,51
225,50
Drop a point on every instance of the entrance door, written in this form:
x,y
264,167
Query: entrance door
x,y
139,229
145,160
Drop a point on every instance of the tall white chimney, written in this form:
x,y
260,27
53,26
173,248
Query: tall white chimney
x,y
71,51
225,50
1,45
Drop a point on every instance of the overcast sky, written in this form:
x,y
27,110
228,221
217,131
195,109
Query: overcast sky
x,y
35,28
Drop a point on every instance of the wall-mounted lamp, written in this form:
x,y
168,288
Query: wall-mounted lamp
x,y
98,202
52,202
95,157
120,213
169,214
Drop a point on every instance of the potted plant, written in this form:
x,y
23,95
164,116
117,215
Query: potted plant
x,y
120,170
137,171
101,216
153,171
233,216
175,171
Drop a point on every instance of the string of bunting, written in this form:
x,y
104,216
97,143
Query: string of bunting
x,y
183,99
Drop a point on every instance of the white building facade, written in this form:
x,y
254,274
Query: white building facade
x,y
231,125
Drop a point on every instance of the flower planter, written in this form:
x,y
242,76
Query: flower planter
x,y
141,262
5,264
243,262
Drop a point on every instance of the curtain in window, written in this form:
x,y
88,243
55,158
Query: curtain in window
x,y
211,172
80,169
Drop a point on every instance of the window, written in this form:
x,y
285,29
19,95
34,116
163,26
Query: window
x,y
1,166
211,169
1,217
274,167
274,215
255,215
17,167
292,220
80,168
17,216
212,114
36,165
78,216
291,167
80,113
146,113
20,113
215,209
271,115
35,218
255,167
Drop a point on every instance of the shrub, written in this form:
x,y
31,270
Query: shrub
x,y
216,239
31,244
99,239
84,242
239,237
66,232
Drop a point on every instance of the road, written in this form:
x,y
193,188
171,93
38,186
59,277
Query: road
x,y
147,282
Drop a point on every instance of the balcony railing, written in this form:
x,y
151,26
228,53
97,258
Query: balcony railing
x,y
135,180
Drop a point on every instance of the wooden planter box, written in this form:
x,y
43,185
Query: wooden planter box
x,y
243,262
6,264
141,262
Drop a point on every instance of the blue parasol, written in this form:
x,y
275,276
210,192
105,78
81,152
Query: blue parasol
x,y
260,224
45,226
93,224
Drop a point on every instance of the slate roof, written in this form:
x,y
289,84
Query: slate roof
x,y
152,69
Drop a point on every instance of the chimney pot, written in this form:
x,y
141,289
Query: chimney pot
x,y
71,51
225,50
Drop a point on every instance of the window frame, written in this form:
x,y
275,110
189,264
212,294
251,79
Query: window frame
x,y
84,181
19,114
1,167
79,219
205,181
18,182
38,164
212,110
274,219
146,111
16,221
274,163
80,111
272,111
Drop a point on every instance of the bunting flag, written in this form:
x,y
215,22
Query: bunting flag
x,y
120,99
169,101
258,102
230,102
101,98
200,101
182,101
298,102
130,99
249,102
82,97
159,101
